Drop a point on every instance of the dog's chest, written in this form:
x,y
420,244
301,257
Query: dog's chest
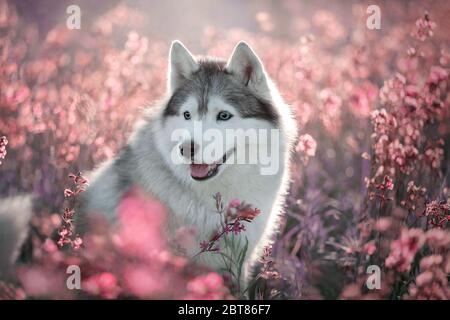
x,y
199,211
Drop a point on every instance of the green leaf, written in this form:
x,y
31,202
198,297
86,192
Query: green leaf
x,y
241,258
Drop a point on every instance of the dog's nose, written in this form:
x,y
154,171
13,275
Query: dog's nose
x,y
188,149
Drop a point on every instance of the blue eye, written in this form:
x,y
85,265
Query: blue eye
x,y
187,115
224,116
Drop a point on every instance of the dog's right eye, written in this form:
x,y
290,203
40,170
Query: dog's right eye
x,y
187,115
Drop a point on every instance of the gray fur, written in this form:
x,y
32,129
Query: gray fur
x,y
15,215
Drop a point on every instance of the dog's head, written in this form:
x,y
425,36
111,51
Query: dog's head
x,y
219,114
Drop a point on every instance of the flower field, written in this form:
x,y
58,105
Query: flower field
x,y
371,181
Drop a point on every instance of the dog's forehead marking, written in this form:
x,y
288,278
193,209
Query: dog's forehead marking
x,y
190,104
217,103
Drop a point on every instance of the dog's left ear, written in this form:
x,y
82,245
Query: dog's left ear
x,y
245,65
181,65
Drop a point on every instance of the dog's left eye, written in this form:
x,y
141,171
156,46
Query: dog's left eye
x,y
187,115
224,115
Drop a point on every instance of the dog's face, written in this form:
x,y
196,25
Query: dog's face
x,y
219,114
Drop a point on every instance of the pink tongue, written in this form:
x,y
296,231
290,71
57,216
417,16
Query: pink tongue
x,y
199,170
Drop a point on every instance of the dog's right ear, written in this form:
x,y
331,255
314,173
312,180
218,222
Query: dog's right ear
x,y
245,65
181,65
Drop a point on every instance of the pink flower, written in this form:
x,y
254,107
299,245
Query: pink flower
x,y
142,221
361,99
267,269
204,245
414,194
40,282
21,94
431,261
78,179
424,28
438,239
3,144
438,214
248,214
383,224
434,157
236,227
234,203
104,285
370,248
307,145
206,287
388,183
49,246
437,75
424,278
404,249
77,243
64,232
233,217
68,193
11,292
149,281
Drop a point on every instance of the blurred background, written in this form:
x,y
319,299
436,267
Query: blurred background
x,y
188,20
372,108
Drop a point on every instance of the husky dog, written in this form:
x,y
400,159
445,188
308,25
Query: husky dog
x,y
221,95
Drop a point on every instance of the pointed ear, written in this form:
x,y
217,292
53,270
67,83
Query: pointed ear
x,y
245,65
181,65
